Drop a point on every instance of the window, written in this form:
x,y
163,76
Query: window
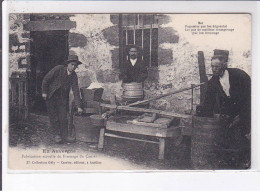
x,y
141,30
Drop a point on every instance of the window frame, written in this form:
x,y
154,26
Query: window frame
x,y
138,25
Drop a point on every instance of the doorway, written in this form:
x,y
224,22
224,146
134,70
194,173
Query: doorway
x,y
48,49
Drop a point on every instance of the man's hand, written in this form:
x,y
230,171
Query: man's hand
x,y
235,121
107,114
80,111
44,96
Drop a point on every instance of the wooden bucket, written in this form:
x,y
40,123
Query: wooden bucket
x,y
205,142
133,90
85,130
91,94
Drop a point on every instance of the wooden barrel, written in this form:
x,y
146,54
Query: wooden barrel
x,y
205,142
133,90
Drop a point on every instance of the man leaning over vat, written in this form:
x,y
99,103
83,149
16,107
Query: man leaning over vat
x,y
232,88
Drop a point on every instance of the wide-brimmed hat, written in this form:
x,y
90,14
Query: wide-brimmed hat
x,y
73,58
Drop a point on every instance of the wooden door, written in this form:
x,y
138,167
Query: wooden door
x,y
48,49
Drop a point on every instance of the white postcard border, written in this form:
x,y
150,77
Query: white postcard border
x,y
163,179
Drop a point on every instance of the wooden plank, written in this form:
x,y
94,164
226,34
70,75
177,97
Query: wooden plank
x,y
156,125
143,130
135,109
121,44
130,138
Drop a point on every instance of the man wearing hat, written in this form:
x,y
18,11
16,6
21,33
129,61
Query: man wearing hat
x,y
232,88
56,86
133,69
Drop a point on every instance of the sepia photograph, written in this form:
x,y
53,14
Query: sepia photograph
x,y
129,91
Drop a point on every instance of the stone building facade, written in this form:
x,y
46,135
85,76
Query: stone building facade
x,y
97,40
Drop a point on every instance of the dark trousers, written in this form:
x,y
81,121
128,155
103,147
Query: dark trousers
x,y
58,107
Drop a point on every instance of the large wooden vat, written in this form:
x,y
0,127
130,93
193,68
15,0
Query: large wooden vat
x,y
207,137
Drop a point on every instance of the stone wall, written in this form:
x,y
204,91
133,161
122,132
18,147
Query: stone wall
x,y
96,41
19,43
178,66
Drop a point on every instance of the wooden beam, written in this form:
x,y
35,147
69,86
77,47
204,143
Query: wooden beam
x,y
49,25
164,95
161,148
101,139
203,76
129,138
135,109
124,127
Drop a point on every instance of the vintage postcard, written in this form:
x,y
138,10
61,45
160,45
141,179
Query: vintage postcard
x,y
130,91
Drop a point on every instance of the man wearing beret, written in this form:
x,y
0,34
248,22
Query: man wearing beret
x,y
56,86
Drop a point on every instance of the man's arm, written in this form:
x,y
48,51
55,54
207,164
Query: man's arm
x,y
48,78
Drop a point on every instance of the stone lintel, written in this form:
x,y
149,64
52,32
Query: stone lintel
x,y
49,25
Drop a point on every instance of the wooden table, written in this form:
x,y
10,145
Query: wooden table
x,y
119,124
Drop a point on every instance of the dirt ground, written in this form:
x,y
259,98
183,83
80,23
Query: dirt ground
x,y
139,155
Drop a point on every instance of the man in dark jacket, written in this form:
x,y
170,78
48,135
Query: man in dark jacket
x,y
56,86
232,88
133,69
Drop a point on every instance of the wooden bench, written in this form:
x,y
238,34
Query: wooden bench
x,y
119,124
